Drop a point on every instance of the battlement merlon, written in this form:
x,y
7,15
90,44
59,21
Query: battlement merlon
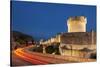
x,y
76,20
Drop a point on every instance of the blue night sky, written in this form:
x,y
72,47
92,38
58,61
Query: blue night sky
x,y
47,19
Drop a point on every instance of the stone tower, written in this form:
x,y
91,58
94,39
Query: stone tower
x,y
77,24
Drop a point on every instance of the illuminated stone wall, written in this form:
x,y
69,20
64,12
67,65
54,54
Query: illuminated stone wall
x,y
78,41
77,24
82,38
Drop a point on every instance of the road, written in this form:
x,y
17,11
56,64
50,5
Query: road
x,y
17,61
22,56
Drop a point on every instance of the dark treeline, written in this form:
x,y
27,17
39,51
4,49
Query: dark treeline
x,y
20,39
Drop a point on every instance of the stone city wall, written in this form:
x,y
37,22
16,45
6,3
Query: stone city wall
x,y
82,38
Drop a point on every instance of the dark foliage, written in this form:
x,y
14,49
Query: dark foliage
x,y
38,49
21,37
53,49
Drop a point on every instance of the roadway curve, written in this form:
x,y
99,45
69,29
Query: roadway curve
x,y
17,61
28,57
35,58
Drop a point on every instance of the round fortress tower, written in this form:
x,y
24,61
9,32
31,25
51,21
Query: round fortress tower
x,y
77,24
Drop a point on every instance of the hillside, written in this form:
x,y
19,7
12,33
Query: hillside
x,y
19,39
